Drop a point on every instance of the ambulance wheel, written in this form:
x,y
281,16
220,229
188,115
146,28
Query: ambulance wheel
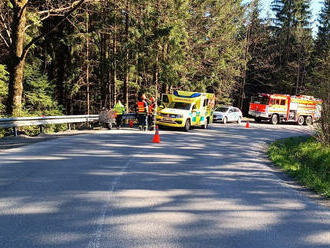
x,y
187,125
309,121
274,119
301,120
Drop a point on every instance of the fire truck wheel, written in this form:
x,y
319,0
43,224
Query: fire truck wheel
x,y
225,120
274,119
309,121
301,120
187,126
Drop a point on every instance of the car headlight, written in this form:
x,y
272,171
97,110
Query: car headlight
x,y
179,116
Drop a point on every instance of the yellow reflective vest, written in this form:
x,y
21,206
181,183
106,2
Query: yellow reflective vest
x,y
119,108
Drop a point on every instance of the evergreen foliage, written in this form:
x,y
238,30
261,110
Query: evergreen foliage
x,y
3,88
323,35
108,50
261,52
320,71
38,92
321,75
294,39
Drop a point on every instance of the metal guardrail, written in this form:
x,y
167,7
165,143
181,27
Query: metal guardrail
x,y
15,122
38,121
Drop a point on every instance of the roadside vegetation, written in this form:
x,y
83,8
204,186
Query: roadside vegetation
x,y
306,159
77,56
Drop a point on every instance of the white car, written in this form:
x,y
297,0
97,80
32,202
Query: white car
x,y
227,114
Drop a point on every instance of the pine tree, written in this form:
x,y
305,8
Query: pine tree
x,y
215,58
321,75
320,79
322,43
260,56
294,37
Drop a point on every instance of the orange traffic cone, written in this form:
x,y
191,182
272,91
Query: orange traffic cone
x,y
247,125
156,138
131,124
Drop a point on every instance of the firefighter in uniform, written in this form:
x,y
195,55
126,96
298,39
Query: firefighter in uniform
x,y
152,113
142,106
120,110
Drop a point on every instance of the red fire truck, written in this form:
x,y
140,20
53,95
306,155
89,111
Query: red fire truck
x,y
285,108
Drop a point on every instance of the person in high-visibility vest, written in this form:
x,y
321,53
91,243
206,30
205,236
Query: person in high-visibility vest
x,y
142,111
152,112
120,110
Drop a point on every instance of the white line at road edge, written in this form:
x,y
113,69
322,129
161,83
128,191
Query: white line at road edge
x,y
95,242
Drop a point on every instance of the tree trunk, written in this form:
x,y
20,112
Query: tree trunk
x,y
87,65
114,74
157,53
16,66
156,75
126,56
247,45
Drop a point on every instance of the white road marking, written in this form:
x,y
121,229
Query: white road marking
x,y
95,242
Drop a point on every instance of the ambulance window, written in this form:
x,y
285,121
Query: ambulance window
x,y
282,102
165,99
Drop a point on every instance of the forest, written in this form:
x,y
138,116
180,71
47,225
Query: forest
x,y
77,56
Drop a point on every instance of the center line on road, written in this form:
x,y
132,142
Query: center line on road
x,y
95,242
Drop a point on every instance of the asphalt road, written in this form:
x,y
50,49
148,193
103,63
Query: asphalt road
x,y
206,188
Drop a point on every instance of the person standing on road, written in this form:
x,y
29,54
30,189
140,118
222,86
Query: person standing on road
x,y
120,110
152,113
142,106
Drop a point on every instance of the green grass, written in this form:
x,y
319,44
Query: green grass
x,y
305,159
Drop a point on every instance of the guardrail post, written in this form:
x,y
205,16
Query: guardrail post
x,y
15,131
41,128
69,126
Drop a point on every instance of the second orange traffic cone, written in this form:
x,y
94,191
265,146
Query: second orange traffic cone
x,y
156,138
247,125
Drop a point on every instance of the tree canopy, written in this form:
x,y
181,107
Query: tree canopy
x,y
75,57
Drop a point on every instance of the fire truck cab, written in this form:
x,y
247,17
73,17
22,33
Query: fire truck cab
x,y
285,108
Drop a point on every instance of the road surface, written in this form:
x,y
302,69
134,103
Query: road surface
x,y
202,189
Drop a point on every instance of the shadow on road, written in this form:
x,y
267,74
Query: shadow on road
x,y
206,188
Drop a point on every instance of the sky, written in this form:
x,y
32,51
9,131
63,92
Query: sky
x,y
316,6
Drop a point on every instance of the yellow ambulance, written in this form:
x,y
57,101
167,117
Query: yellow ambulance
x,y
185,109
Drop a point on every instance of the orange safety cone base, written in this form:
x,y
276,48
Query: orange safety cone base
x,y
247,125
